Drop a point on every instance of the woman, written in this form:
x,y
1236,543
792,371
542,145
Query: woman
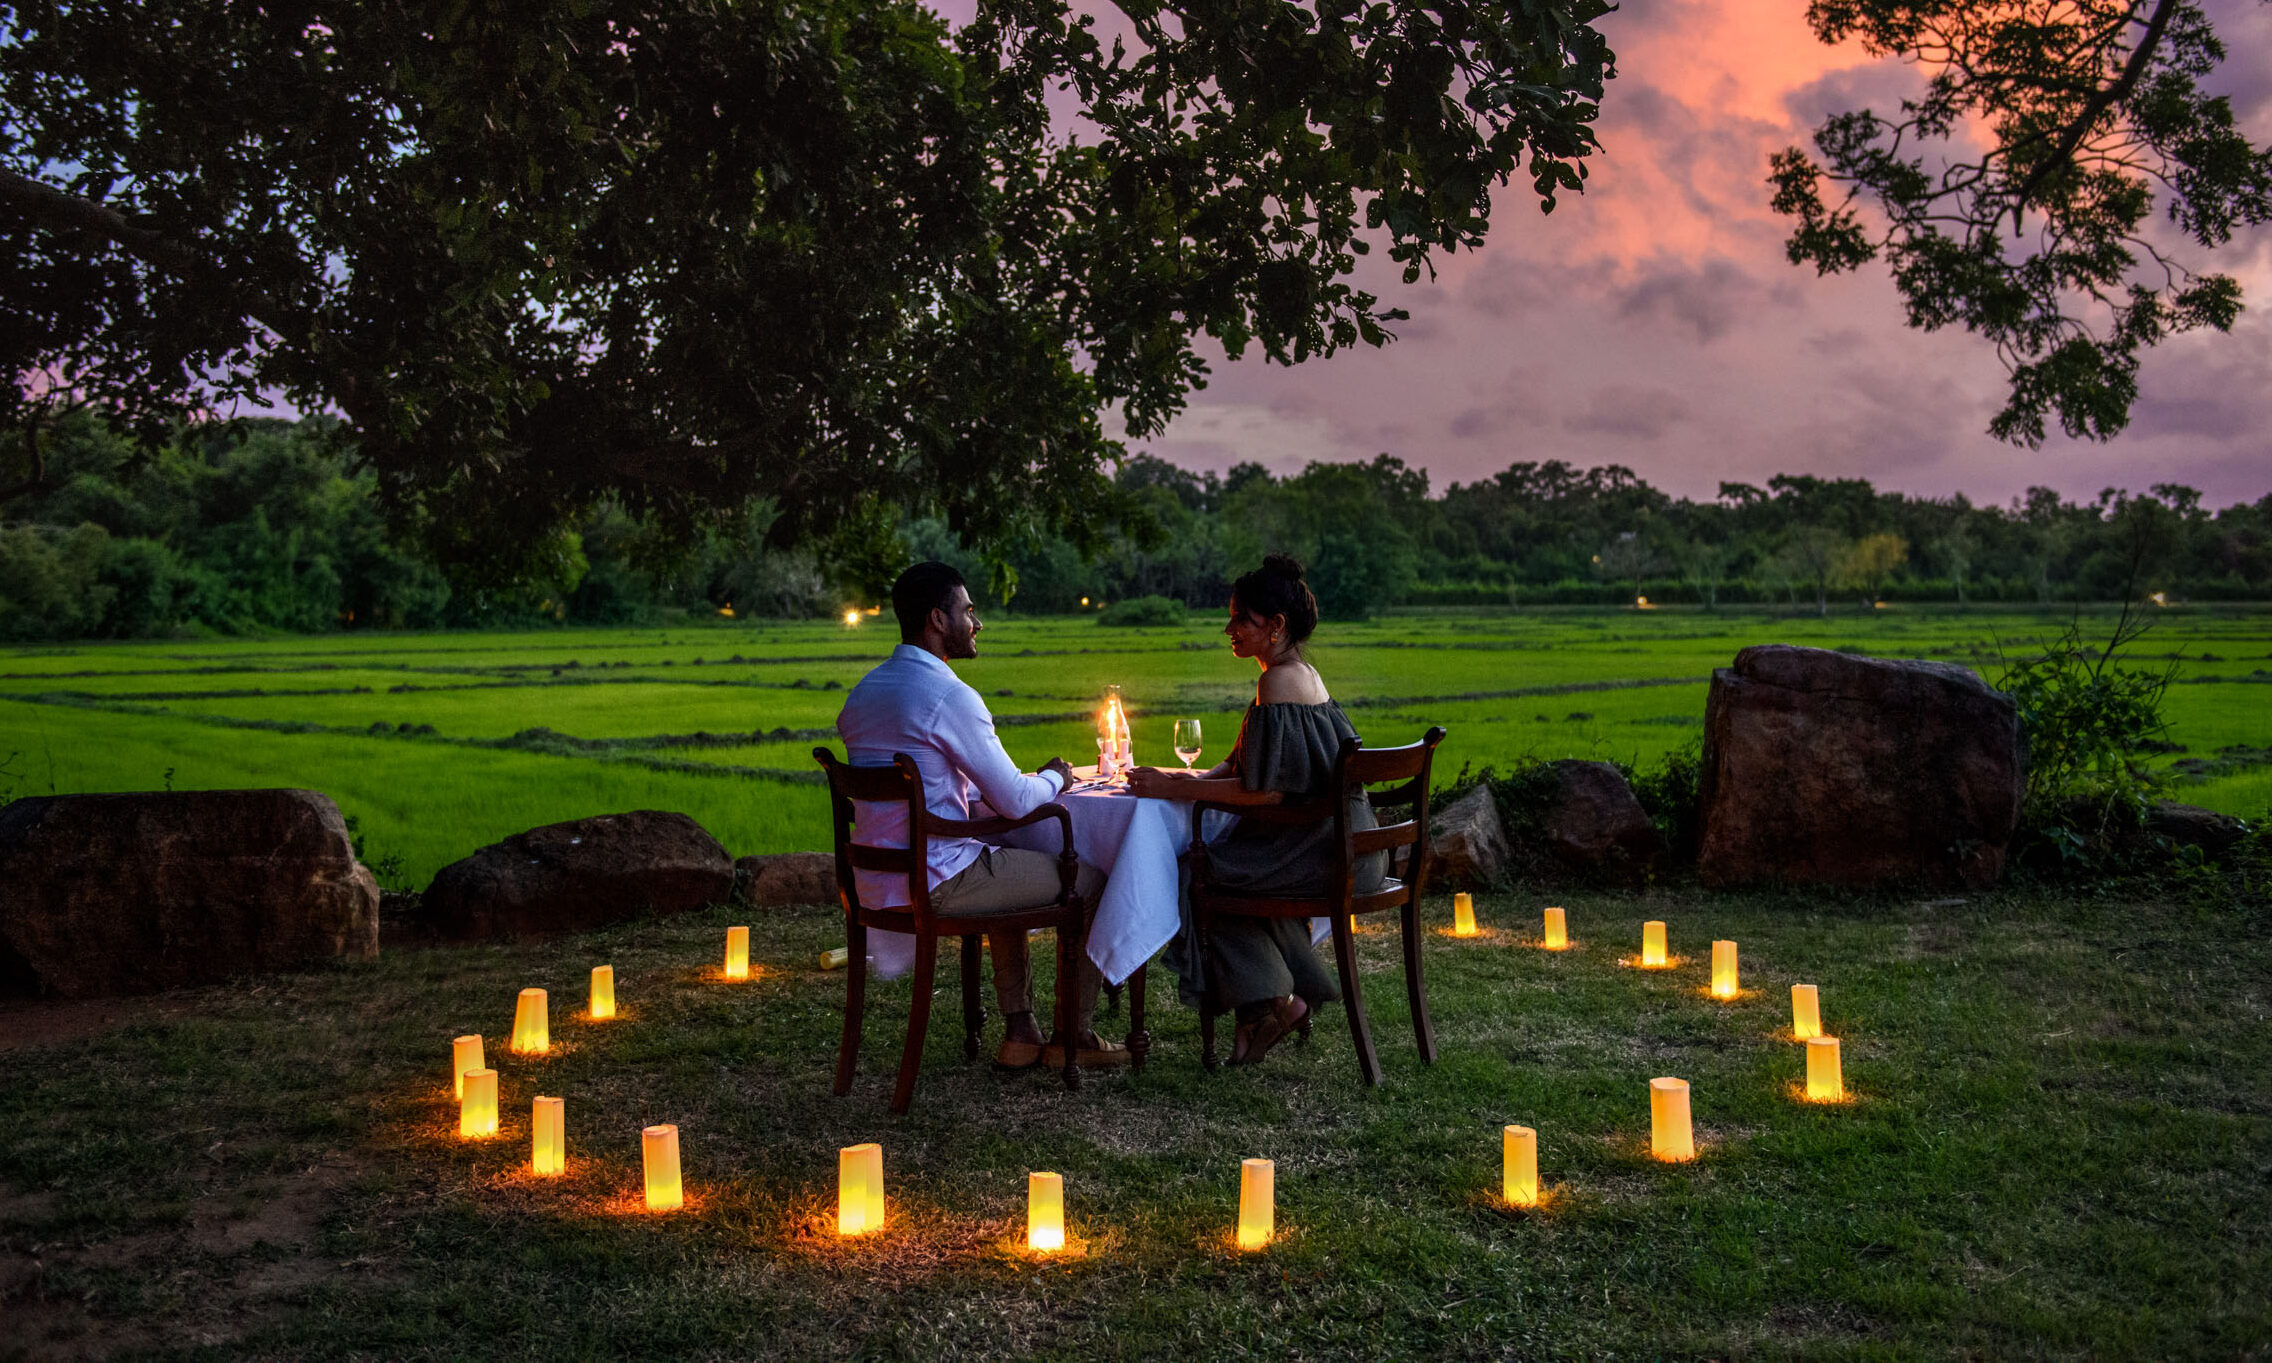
x,y
1288,743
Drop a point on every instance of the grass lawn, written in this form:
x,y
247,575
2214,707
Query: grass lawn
x,y
2059,1144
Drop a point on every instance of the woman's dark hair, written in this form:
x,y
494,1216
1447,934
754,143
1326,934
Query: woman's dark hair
x,y
1277,588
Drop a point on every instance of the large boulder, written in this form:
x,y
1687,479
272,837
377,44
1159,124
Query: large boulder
x,y
1593,821
131,893
784,878
1823,768
1469,842
572,877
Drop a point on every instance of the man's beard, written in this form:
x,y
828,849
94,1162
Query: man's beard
x,y
965,647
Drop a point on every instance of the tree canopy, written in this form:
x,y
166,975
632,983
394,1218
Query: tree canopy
x,y
680,255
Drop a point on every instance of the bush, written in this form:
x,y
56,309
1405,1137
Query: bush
x,y
1143,610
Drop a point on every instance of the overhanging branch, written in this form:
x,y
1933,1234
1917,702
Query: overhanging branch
x,y
2132,71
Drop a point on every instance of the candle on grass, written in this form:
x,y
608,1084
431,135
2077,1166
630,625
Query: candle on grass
x,y
603,992
835,958
658,1157
1806,1011
737,953
1825,1084
1257,1203
1518,1179
1045,1211
477,1109
532,1023
1670,1136
1653,943
1463,914
859,1189
1724,970
548,1136
1557,930
465,1058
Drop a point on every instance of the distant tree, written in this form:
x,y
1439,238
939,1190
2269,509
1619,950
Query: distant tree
x,y
1628,557
1955,550
1870,560
1814,555
2012,195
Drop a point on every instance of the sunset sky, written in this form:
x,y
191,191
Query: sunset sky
x,y
1654,321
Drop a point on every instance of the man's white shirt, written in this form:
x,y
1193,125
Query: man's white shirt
x,y
914,703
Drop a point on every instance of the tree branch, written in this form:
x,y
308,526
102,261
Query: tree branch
x,y
2132,71
39,463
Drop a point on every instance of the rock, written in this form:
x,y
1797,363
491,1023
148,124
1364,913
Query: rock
x,y
2192,825
1827,769
784,878
572,877
132,893
1594,821
1469,842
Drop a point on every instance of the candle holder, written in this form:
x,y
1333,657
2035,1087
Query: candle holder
x,y
1724,985
1671,1138
737,953
1463,915
1806,1011
835,958
477,1109
1045,1212
548,1137
1557,931
532,1024
1653,946
1518,1178
1258,1214
860,1189
603,993
1825,1082
465,1058
658,1158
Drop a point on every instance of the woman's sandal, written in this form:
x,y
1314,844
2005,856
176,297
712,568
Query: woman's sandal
x,y
1255,1039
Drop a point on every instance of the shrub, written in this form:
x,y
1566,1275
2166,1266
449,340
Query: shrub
x,y
1143,610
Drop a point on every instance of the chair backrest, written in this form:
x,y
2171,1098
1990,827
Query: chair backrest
x,y
899,783
1408,767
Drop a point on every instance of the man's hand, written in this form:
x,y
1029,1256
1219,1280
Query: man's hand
x,y
1063,769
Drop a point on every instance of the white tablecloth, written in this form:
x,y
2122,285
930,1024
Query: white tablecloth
x,y
1136,843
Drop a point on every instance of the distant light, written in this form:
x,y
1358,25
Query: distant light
x,y
1085,600
1642,603
875,610
851,616
2159,598
727,611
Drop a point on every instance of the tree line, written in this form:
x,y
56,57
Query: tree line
x,y
274,525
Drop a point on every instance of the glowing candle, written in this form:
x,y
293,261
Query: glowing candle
x,y
1257,1203
1045,1211
1652,943
1824,1082
658,1154
465,1058
1724,970
737,953
835,958
603,992
1669,1135
477,1109
859,1189
548,1136
1806,1012
532,1023
1519,1174
1557,931
1463,914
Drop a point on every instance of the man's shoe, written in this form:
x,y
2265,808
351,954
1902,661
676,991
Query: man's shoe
x,y
1104,1055
1017,1055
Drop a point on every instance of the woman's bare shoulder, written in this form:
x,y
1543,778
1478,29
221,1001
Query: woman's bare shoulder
x,y
1292,684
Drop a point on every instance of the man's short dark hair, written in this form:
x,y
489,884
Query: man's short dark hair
x,y
922,589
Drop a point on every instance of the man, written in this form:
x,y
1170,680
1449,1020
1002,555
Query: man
x,y
914,703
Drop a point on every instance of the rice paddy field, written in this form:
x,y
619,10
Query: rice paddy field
x,y
436,744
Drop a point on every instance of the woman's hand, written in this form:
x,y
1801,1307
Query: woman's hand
x,y
1154,784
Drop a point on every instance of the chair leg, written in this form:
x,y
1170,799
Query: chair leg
x,y
918,1020
1414,987
973,1011
855,1003
1069,944
1139,1040
1207,1000
1353,999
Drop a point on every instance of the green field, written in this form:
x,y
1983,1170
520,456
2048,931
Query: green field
x,y
719,721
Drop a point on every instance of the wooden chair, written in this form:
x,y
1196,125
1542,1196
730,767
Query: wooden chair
x,y
1407,766
902,783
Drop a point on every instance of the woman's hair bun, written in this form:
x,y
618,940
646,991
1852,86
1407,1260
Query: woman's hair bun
x,y
1284,565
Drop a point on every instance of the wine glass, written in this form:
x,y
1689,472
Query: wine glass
x,y
1187,741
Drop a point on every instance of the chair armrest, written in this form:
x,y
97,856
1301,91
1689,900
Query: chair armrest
x,y
1307,812
994,827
